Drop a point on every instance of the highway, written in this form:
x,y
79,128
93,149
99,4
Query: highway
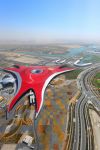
x,y
79,129
83,138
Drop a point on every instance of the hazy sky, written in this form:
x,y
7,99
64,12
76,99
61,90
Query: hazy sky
x,y
49,19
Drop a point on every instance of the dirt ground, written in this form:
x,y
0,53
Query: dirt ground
x,y
95,120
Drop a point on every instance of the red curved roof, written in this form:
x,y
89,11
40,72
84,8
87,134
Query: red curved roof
x,y
36,81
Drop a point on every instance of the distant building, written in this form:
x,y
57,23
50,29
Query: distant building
x,y
77,63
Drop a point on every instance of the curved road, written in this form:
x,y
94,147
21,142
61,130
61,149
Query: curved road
x,y
83,132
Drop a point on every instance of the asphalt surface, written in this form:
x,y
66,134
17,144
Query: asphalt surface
x,y
83,139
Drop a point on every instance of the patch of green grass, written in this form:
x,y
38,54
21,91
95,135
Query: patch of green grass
x,y
95,58
96,80
73,74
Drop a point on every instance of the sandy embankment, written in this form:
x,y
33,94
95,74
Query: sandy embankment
x,y
20,57
95,120
70,46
